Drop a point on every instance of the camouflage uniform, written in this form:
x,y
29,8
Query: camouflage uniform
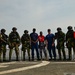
x,y
60,36
70,41
25,39
0,47
3,43
14,42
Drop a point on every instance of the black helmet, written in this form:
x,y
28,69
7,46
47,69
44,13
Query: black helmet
x,y
3,30
58,29
69,27
25,31
14,28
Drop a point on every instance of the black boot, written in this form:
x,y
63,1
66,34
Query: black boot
x,y
29,58
17,58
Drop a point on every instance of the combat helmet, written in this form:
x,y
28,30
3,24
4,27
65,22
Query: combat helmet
x,y
59,29
3,30
14,28
69,27
25,31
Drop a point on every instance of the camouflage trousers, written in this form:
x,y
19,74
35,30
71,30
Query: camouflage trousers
x,y
16,48
24,48
70,52
3,51
63,52
70,46
60,47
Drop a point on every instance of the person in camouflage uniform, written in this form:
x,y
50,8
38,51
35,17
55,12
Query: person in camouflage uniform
x,y
25,39
14,42
60,36
0,47
70,41
3,43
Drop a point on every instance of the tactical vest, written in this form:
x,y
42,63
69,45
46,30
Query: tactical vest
x,y
14,37
4,38
60,36
25,38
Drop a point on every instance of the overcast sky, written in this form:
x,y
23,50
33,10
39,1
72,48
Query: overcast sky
x,y
39,14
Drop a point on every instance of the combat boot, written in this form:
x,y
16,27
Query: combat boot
x,y
9,59
17,58
29,58
23,58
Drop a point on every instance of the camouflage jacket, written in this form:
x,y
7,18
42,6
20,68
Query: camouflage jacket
x,y
25,38
60,36
3,39
69,36
70,39
14,37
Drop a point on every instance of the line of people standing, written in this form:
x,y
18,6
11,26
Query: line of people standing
x,y
33,41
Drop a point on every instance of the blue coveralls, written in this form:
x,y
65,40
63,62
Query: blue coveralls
x,y
34,37
50,48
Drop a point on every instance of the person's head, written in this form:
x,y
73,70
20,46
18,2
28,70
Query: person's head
x,y
41,33
25,31
59,29
34,30
69,27
49,31
3,30
14,29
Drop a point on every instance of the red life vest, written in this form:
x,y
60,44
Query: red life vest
x,y
41,38
74,35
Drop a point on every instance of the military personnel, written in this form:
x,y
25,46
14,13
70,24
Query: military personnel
x,y
34,43
60,36
14,42
0,47
70,41
50,44
3,43
25,39
41,39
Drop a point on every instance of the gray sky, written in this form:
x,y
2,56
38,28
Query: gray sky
x,y
39,14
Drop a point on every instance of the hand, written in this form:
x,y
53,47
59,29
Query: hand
x,y
53,44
